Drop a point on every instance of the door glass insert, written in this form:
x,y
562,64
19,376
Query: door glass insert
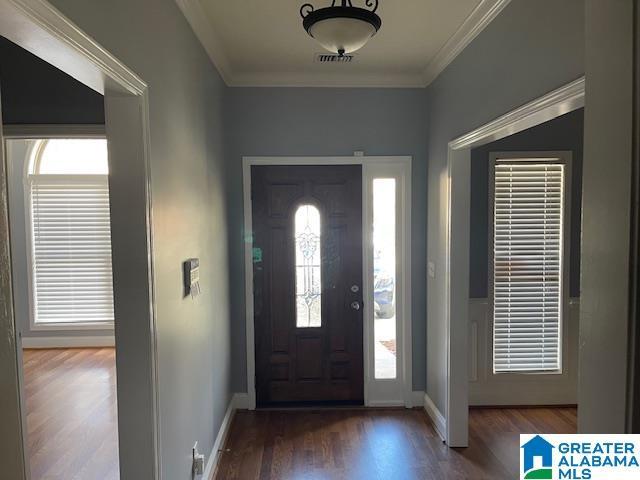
x,y
308,267
384,277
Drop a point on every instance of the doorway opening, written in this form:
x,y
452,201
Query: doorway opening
x,y
506,350
63,301
46,33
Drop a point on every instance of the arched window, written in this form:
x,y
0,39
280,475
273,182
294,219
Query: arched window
x,y
71,157
308,267
70,233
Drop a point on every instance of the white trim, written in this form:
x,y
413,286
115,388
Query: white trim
x,y
563,100
198,18
438,420
248,283
221,437
325,79
44,30
490,389
57,327
53,131
558,102
241,401
473,25
417,398
398,391
369,162
69,342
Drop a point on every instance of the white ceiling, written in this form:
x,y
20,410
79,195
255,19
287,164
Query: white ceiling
x,y
262,42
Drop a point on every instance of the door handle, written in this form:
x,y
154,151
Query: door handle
x,y
355,305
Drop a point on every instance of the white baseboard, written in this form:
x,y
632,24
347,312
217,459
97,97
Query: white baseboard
x,y
241,401
417,399
214,456
68,342
385,403
439,422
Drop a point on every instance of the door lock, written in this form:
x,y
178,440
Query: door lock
x,y
355,305
355,288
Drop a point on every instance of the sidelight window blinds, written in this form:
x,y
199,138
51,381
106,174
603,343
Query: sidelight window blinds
x,y
527,264
71,247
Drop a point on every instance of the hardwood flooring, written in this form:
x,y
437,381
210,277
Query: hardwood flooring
x,y
72,433
379,444
70,397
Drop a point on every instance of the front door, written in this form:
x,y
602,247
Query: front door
x,y
307,270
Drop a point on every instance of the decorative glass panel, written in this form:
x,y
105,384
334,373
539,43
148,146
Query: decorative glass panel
x,y
308,267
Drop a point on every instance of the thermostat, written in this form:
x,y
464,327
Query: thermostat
x,y
191,277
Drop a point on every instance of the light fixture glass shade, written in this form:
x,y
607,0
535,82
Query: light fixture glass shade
x,y
342,34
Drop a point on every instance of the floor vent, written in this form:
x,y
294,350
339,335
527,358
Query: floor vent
x,y
333,58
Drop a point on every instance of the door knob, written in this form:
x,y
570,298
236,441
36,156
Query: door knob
x,y
355,305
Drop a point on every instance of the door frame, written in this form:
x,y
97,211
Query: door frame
x,y
376,392
563,100
41,29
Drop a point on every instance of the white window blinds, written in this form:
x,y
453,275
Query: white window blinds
x,y
71,259
527,265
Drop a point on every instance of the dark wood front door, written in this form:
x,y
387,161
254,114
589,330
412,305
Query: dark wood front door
x,y
307,267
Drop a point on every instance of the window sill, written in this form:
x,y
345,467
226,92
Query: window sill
x,y
48,327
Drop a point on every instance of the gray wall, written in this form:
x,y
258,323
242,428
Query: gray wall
x,y
565,133
189,213
605,217
530,49
324,122
34,92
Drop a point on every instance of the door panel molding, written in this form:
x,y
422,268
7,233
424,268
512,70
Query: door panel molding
x,y
318,362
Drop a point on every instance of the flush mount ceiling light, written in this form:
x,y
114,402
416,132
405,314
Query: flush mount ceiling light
x,y
341,29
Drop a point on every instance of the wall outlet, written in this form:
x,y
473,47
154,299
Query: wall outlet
x,y
198,460
431,269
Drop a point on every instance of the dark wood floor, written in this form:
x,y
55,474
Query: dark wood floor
x,y
72,433
379,444
71,414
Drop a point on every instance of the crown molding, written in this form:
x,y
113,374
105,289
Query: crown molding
x,y
475,23
563,100
325,79
201,26
40,28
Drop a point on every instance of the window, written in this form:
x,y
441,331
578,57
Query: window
x,y
528,224
384,277
308,267
71,234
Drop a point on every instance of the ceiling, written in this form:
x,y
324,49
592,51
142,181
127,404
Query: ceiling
x,y
262,43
